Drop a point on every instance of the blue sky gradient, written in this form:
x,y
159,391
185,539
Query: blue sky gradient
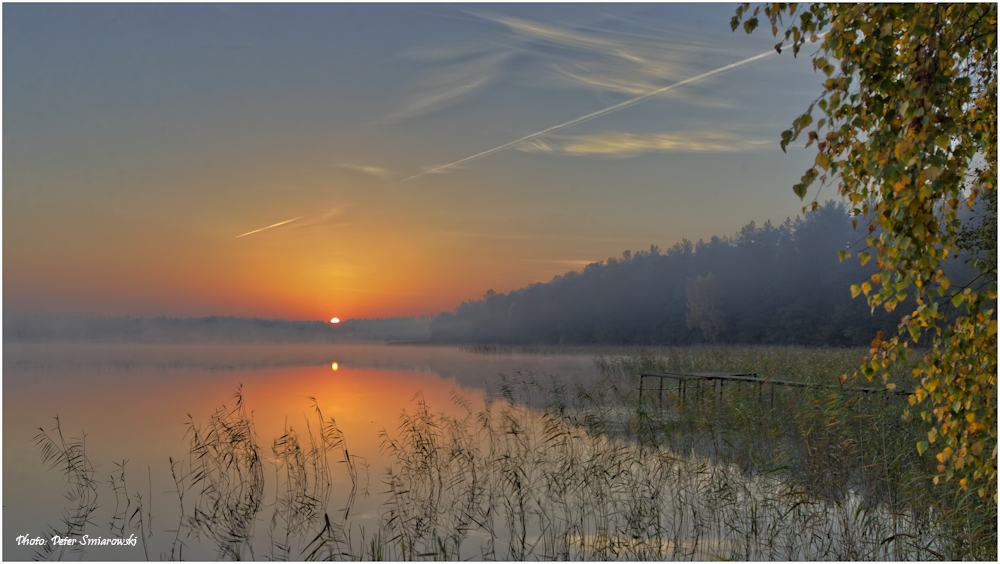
x,y
141,140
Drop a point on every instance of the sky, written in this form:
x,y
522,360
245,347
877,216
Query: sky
x,y
292,161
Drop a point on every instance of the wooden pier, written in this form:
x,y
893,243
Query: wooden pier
x,y
749,377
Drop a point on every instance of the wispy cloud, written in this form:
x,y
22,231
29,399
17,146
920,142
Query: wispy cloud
x,y
631,144
598,113
458,76
371,170
547,55
621,63
272,226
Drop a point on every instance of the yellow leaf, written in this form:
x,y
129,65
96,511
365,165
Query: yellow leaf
x,y
898,147
823,161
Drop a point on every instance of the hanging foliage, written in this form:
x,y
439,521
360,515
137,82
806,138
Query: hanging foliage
x,y
907,130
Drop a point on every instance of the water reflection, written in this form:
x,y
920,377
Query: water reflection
x,y
132,402
402,442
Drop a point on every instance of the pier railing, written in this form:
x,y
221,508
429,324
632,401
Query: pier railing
x,y
719,380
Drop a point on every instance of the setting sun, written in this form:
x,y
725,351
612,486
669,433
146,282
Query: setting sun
x,y
335,320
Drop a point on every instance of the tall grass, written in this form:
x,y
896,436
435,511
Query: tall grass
x,y
550,469
832,443
227,468
534,486
69,456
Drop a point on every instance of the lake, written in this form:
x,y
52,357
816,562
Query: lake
x,y
425,452
132,403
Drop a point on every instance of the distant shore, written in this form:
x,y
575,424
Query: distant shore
x,y
215,329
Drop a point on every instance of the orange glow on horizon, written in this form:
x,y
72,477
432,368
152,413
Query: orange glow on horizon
x,y
372,271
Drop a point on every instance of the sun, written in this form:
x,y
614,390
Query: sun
x,y
335,320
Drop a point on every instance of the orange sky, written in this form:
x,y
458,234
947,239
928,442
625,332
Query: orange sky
x,y
141,140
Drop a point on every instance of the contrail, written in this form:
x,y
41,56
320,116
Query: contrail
x,y
280,223
598,113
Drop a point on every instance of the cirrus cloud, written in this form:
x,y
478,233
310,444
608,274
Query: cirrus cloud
x,y
631,144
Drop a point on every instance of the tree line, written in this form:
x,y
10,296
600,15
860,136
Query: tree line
x,y
768,284
215,329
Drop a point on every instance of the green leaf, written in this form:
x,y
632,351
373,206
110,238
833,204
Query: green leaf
x,y
922,447
786,138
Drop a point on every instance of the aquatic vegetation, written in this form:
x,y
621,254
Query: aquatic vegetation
x,y
545,468
69,457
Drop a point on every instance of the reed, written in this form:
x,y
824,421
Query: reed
x,y
69,457
551,469
537,487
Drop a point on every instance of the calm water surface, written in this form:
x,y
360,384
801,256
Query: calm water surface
x,y
132,403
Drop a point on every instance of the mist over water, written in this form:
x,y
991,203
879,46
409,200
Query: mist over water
x,y
132,402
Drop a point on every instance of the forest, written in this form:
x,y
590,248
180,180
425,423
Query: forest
x,y
766,284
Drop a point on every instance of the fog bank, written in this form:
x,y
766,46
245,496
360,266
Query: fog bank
x,y
44,329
